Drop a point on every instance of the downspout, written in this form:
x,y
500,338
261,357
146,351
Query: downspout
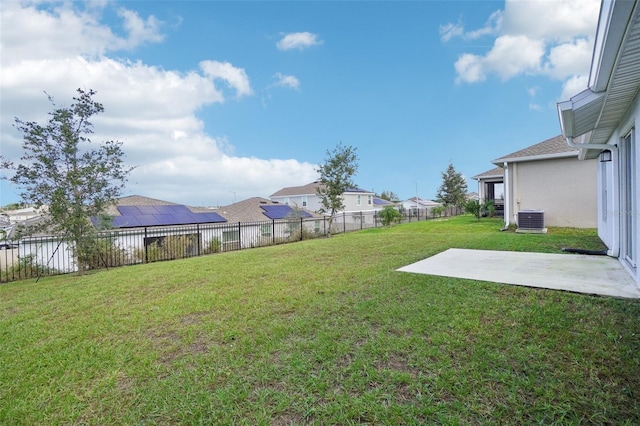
x,y
507,192
614,251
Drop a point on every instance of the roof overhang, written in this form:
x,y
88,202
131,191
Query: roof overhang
x,y
591,116
501,161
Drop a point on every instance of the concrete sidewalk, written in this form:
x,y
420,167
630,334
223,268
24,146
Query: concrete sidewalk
x,y
599,275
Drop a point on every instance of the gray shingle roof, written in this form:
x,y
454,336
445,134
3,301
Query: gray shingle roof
x,y
308,189
493,173
556,146
249,210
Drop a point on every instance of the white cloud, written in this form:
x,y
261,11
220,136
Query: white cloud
x,y
235,77
287,81
449,31
151,110
492,26
469,69
552,39
140,30
513,55
298,41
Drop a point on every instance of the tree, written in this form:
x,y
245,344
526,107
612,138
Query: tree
x,y
389,196
474,207
61,169
453,190
336,173
388,215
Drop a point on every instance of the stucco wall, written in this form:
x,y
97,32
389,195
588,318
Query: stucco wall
x,y
565,188
351,202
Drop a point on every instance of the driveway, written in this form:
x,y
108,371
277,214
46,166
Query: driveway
x,y
601,275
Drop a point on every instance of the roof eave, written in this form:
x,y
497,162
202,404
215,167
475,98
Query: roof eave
x,y
568,154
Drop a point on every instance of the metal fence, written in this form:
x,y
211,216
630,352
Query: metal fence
x,y
33,257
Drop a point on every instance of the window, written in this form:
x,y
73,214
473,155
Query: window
x,y
359,202
304,201
286,200
265,230
369,199
231,240
230,236
603,191
628,198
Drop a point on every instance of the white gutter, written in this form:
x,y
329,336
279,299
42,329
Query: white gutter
x,y
506,184
591,146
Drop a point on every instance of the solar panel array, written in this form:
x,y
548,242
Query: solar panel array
x,y
283,212
161,215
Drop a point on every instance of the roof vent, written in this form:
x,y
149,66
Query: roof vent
x,y
531,221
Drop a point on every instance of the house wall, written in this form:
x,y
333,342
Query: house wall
x,y
351,202
612,214
565,188
312,201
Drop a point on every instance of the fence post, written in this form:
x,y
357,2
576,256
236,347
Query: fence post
x,y
273,231
199,239
146,246
239,235
361,219
344,222
300,229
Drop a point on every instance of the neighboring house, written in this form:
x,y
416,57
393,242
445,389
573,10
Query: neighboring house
x,y
546,177
359,209
134,224
381,203
491,188
259,221
306,197
421,208
20,215
473,196
601,123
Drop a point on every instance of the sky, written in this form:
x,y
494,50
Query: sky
x,y
219,101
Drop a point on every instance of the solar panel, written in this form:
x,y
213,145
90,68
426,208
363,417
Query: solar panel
x,y
283,212
161,215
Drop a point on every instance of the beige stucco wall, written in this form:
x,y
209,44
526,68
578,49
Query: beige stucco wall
x,y
565,188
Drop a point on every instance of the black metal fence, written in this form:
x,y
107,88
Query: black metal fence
x,y
32,257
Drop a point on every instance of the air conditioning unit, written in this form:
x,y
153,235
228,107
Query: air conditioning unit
x,y
531,221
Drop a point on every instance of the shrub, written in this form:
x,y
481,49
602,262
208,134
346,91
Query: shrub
x,y
169,248
105,252
26,267
389,215
473,207
213,246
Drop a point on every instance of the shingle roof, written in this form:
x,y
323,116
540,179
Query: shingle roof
x,y
495,172
250,210
553,147
309,189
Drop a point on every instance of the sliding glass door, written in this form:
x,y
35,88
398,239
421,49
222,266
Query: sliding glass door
x,y
628,197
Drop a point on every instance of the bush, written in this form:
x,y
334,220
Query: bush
x,y
389,215
26,267
213,246
437,211
169,248
105,253
473,207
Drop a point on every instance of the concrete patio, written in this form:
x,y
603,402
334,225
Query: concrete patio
x,y
600,275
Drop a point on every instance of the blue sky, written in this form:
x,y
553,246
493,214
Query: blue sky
x,y
220,100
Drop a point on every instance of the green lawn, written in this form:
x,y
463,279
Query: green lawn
x,y
323,331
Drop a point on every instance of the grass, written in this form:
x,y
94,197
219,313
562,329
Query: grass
x,y
322,332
